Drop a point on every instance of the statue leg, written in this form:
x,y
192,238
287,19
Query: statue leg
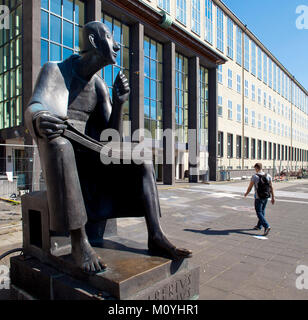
x,y
65,200
157,241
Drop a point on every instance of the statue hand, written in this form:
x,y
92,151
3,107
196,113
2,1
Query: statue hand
x,y
121,89
49,126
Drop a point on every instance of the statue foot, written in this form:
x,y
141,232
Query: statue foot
x,y
85,256
161,246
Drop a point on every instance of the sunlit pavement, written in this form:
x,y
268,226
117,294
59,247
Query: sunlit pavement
x,y
216,222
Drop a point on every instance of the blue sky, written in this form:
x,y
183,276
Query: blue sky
x,y
274,24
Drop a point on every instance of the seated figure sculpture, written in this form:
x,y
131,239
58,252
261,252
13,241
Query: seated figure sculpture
x,y
80,188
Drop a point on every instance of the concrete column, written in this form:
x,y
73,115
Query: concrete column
x,y
93,10
193,119
31,64
169,114
212,147
137,79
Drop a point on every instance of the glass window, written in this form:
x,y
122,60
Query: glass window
x,y
259,96
230,78
253,118
220,30
164,4
238,84
253,92
238,147
253,58
239,113
239,45
264,68
220,73
246,147
153,87
61,37
195,16
209,21
55,6
246,88
259,64
181,11
246,120
230,145
230,38
203,112
121,35
68,9
270,73
246,49
230,111
11,68
275,76
181,97
279,77
220,144
220,106
253,148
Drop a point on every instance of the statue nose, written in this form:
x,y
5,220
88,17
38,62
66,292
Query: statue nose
x,y
116,46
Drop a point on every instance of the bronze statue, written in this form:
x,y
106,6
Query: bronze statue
x,y
80,188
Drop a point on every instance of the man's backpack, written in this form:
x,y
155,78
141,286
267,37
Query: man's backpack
x,y
263,189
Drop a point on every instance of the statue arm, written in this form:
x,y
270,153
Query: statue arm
x,y
38,116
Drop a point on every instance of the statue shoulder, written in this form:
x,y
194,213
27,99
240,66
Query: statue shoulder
x,y
50,67
101,86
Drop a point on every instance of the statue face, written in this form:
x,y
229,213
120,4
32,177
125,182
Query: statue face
x,y
106,46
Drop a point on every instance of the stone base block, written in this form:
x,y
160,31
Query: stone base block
x,y
131,274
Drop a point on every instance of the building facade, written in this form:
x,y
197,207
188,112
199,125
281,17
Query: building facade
x,y
193,68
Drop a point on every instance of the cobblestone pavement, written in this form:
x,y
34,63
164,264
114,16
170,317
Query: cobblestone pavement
x,y
215,221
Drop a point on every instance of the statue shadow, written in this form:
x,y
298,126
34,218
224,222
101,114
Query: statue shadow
x,y
136,248
227,232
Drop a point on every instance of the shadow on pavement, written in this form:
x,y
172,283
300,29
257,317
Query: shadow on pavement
x,y
211,232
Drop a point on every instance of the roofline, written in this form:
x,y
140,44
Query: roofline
x,y
152,17
244,28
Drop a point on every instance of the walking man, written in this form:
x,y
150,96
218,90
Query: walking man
x,y
262,183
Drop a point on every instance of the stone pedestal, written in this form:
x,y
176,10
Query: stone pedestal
x,y
131,274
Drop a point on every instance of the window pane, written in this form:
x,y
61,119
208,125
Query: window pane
x,y
55,28
68,34
55,6
108,75
44,24
68,10
44,4
146,108
44,52
125,31
147,67
126,58
79,12
55,52
117,31
67,53
1,61
19,81
146,46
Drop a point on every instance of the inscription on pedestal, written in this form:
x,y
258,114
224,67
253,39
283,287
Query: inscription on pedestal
x,y
184,286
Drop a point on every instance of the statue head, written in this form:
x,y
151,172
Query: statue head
x,y
98,40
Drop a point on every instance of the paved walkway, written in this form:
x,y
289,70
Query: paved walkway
x,y
215,221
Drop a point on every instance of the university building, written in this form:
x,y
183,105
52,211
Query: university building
x,y
191,64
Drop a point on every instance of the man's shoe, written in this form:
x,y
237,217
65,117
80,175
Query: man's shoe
x,y
266,231
256,228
